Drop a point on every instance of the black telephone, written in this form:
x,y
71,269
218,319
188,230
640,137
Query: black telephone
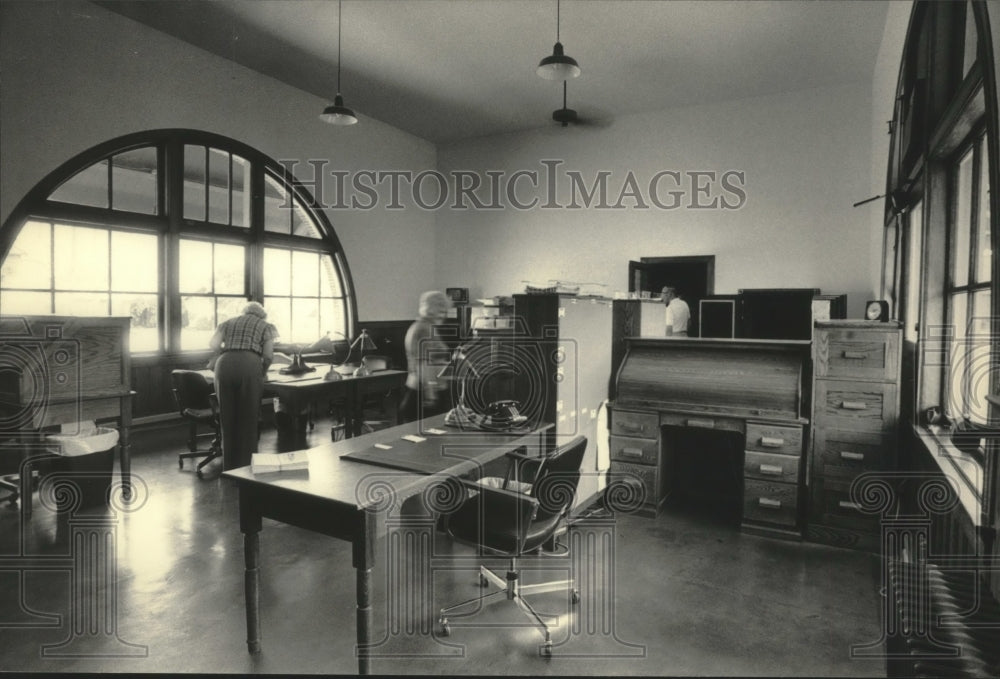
x,y
504,414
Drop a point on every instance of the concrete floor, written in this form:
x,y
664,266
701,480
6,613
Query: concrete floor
x,y
683,594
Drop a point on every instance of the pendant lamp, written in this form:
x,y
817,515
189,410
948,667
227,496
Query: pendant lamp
x,y
558,66
337,113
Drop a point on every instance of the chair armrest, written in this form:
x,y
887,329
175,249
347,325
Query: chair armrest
x,y
492,517
517,460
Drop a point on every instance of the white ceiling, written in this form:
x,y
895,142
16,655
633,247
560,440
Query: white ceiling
x,y
447,70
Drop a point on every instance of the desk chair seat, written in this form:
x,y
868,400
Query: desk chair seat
x,y
374,404
501,521
197,404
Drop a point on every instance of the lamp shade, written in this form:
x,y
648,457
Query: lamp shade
x,y
338,114
558,66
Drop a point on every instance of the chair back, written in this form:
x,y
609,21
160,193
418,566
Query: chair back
x,y
557,479
373,363
191,390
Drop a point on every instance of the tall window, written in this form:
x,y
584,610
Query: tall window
x,y
969,287
167,228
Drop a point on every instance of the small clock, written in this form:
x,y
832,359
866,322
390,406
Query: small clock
x,y
877,310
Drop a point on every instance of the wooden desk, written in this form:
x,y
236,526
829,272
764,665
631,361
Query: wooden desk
x,y
348,499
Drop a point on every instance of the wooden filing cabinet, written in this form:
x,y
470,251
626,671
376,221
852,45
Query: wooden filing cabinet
x,y
855,420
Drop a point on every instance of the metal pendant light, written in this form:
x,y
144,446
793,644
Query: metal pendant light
x,y
558,66
338,114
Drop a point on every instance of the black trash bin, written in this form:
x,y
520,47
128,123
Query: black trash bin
x,y
89,472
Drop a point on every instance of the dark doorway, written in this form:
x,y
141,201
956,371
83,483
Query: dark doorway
x,y
693,276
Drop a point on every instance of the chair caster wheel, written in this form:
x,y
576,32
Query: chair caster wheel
x,y
575,597
483,582
547,650
180,464
199,472
445,629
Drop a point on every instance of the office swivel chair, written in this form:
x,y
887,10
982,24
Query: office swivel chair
x,y
506,522
197,404
373,363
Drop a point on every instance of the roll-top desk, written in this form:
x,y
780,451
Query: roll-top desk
x,y
756,388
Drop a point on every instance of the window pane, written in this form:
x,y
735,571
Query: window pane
x,y
133,181
305,273
977,364
957,317
276,211
911,313
963,223
87,187
241,192
134,262
331,317
330,282
984,259
29,262
305,320
82,303
228,307
194,183
277,271
218,186
142,310
28,303
195,266
229,267
81,259
971,40
279,313
197,322
302,223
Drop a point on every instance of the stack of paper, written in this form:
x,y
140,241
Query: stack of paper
x,y
262,463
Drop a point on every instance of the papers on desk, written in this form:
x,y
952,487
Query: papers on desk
x,y
264,463
414,438
436,432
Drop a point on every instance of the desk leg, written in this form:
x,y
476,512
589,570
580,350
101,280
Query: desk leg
x,y
251,585
364,618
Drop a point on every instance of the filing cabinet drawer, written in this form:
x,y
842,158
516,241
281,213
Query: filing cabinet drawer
x,y
702,422
635,423
772,438
845,454
629,449
648,476
770,502
855,405
771,467
858,353
839,509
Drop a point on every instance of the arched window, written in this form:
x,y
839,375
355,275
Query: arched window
x,y
176,229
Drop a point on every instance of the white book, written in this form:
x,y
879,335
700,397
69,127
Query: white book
x,y
262,463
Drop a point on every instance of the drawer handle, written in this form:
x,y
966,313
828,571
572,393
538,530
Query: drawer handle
x,y
848,455
768,503
856,355
771,442
631,428
772,469
632,452
695,422
844,504
853,405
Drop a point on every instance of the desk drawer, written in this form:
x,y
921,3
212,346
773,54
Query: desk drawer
x,y
702,422
844,453
640,451
770,502
857,353
648,476
858,406
635,423
770,438
771,467
839,509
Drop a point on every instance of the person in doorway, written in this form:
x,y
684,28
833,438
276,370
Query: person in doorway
x,y
244,346
424,394
677,314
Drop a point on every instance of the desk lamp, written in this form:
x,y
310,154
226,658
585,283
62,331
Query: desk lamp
x,y
459,368
364,344
298,366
